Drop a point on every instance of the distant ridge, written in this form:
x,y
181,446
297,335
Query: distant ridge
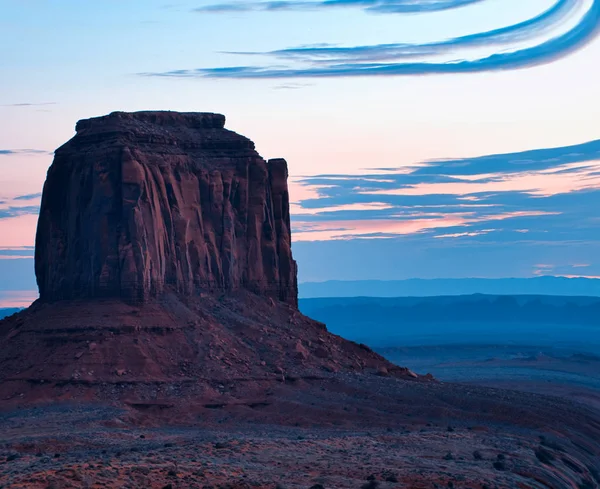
x,y
5,312
546,285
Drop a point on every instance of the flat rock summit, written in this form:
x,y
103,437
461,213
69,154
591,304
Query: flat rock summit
x,y
167,350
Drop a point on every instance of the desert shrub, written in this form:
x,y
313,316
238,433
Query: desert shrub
x,y
477,455
500,465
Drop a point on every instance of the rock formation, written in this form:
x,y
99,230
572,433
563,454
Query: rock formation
x,y
137,203
163,255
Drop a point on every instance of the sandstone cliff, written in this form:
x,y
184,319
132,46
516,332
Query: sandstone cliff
x,y
140,203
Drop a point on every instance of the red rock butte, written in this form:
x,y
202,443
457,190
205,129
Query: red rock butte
x,y
137,203
163,256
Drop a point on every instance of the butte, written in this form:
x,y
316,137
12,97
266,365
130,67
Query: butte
x,y
164,265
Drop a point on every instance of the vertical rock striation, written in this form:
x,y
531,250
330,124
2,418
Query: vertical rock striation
x,y
138,204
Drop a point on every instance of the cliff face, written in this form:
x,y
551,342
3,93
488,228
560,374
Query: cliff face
x,y
137,204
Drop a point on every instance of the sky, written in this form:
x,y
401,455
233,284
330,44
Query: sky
x,y
425,138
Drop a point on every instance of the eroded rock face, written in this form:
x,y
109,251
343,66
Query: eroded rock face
x,y
140,203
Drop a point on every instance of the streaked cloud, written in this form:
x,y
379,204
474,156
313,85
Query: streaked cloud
x,y
18,222
376,6
29,197
13,152
19,206
468,233
291,86
16,252
565,27
398,226
28,104
539,196
17,298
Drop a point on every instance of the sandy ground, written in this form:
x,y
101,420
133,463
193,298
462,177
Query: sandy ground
x,y
382,436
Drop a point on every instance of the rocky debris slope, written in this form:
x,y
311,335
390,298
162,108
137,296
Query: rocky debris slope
x,y
368,432
139,202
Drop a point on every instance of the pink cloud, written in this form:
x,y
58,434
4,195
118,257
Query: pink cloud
x,y
17,298
352,229
542,183
297,209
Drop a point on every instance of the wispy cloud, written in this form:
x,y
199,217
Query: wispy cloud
x,y
291,86
543,36
461,235
376,6
17,298
21,205
544,195
28,104
28,197
13,152
9,212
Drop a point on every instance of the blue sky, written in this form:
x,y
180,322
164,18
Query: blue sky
x,y
389,113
